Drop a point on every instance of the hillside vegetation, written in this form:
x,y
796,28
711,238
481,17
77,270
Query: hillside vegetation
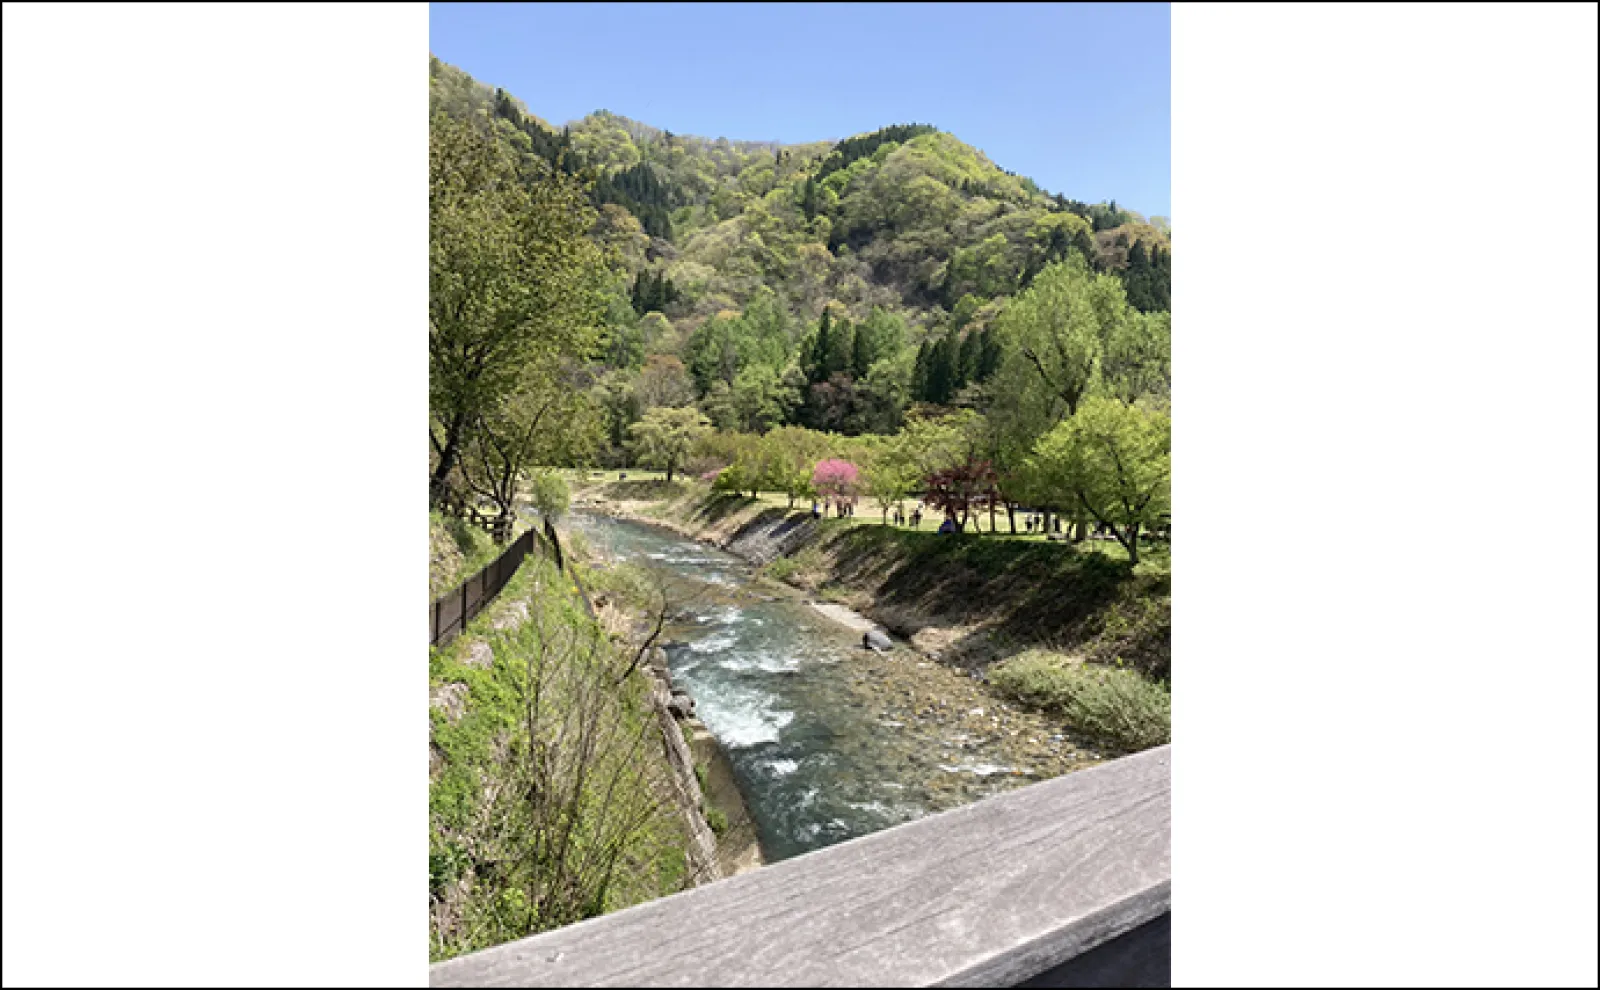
x,y
844,287
550,799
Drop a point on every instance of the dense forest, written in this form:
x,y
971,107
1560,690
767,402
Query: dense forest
x,y
607,293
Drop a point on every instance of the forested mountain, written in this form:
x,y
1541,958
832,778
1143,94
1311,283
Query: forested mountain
x,y
832,285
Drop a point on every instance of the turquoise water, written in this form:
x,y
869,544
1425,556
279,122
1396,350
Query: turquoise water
x,y
801,709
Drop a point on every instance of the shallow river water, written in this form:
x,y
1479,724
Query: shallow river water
x,y
828,741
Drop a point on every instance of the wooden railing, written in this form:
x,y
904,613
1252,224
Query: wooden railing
x,y
1063,883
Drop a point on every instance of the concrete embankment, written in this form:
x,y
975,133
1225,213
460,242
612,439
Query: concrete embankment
x,y
964,601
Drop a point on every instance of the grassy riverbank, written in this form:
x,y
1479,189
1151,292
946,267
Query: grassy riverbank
x,y
970,601
550,799
625,601
456,551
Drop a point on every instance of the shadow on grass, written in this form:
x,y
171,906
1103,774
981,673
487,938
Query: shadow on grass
x,y
1022,593
719,506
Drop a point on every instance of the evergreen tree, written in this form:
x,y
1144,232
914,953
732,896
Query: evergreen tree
x,y
841,349
919,373
988,356
861,353
942,372
808,201
967,360
820,348
1138,260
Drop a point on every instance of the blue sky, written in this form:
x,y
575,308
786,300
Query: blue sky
x,y
1075,96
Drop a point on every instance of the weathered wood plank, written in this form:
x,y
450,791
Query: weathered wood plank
x,y
991,894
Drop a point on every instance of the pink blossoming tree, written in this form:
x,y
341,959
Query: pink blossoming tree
x,y
837,481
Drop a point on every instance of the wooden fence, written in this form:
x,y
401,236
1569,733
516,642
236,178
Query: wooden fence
x,y
1062,883
450,614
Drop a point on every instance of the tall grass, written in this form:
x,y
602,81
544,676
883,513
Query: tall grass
x,y
1113,705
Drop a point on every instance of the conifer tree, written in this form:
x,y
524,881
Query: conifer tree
x,y
861,355
967,360
942,372
841,349
820,348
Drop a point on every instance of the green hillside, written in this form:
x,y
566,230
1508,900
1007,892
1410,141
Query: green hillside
x,y
828,285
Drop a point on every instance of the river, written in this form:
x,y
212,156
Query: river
x,y
828,741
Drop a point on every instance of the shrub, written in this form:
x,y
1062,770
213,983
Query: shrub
x,y
717,820
782,568
549,493
1110,704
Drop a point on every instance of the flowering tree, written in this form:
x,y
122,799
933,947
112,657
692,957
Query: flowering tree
x,y
837,481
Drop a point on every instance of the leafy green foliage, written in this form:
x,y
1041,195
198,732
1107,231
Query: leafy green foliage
x,y
514,286
851,149
664,437
544,778
840,268
1114,460
549,493
855,289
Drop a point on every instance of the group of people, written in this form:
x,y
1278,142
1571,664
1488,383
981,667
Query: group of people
x,y
842,508
900,516
1036,524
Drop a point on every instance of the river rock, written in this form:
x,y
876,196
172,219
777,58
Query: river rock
x,y
877,639
681,706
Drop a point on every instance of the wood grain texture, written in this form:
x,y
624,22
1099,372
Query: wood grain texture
x,y
991,894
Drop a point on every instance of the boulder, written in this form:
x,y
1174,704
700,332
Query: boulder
x,y
681,705
877,639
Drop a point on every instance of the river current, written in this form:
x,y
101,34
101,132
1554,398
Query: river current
x,y
828,741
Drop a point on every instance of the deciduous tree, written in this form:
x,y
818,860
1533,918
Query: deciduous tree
x,y
664,437
514,283
1115,460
